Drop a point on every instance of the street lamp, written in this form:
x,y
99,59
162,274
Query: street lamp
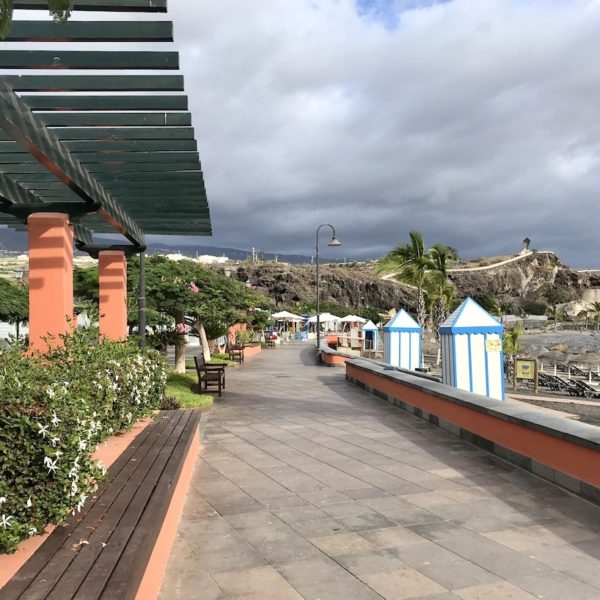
x,y
334,242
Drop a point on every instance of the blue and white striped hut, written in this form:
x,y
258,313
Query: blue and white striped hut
x,y
370,333
402,342
472,357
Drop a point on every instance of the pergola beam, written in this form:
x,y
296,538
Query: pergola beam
x,y
95,83
91,31
158,6
18,122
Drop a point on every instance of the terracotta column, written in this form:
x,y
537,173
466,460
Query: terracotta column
x,y
50,278
113,295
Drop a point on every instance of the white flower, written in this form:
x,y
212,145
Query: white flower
x,y
82,445
54,441
2,500
43,429
55,420
33,531
73,474
29,502
58,453
51,393
74,488
52,466
5,521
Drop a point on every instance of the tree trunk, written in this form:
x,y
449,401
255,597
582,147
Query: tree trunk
x,y
179,348
199,327
421,307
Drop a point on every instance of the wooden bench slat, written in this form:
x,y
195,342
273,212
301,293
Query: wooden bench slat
x,y
130,569
95,581
30,570
74,566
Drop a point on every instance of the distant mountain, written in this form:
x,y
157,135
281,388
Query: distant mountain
x,y
16,241
193,250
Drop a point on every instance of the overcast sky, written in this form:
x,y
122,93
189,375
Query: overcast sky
x,y
474,121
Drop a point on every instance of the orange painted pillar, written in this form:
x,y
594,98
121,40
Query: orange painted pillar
x,y
113,295
50,278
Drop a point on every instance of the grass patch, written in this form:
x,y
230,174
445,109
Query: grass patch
x,y
215,358
180,385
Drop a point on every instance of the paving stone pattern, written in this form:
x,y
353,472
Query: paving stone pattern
x,y
308,487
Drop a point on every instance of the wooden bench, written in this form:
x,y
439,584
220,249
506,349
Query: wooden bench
x,y
102,552
210,375
236,353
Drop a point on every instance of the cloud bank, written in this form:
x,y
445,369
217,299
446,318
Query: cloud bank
x,y
474,121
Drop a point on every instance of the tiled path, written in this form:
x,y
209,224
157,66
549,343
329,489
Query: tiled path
x,y
310,488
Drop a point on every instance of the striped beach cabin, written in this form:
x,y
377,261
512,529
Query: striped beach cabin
x,y
370,333
472,357
402,342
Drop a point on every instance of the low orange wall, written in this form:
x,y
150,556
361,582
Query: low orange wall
x,y
334,360
551,448
252,350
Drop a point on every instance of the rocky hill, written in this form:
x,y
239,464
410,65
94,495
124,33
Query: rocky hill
x,y
538,277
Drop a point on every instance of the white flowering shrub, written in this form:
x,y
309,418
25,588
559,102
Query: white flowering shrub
x,y
54,410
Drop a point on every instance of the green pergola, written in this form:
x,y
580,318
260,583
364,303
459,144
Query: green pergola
x,y
124,162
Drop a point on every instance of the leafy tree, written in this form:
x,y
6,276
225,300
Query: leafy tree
x,y
182,297
369,313
60,10
488,303
14,303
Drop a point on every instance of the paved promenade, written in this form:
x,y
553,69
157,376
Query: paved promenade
x,y
310,488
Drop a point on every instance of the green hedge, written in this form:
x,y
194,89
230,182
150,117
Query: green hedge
x,y
54,410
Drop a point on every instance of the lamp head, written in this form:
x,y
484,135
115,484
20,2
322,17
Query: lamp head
x,y
334,242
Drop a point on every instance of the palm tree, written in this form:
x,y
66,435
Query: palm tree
x,y
442,292
410,264
512,340
594,312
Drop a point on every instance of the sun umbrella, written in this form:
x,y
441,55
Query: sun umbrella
x,y
353,319
284,315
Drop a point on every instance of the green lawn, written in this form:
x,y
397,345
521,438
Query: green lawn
x,y
180,386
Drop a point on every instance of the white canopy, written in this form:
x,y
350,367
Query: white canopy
x,y
353,319
284,315
325,318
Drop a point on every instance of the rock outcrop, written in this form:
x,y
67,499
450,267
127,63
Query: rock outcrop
x,y
354,286
538,277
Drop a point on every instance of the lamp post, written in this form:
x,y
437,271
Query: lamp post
x,y
334,242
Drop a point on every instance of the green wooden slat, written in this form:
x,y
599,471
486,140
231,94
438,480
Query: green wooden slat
x,y
125,133
111,147
10,158
90,59
91,31
131,146
95,83
131,168
117,119
110,178
137,157
101,5
122,103
118,133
